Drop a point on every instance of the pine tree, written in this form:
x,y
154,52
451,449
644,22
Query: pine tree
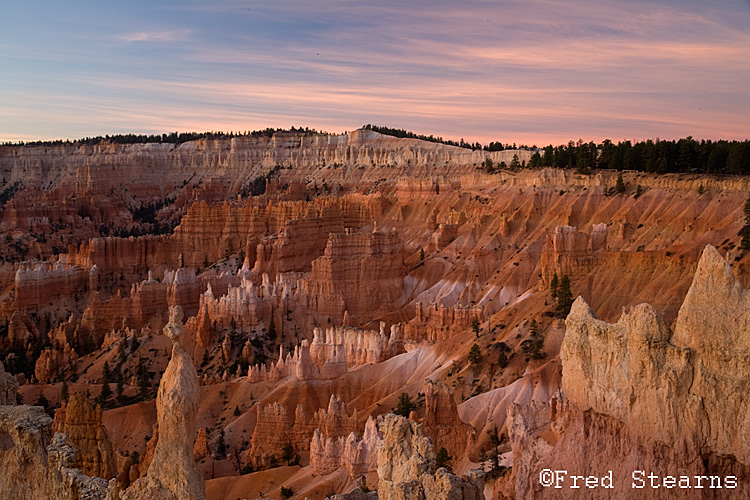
x,y
475,324
443,459
105,372
538,341
143,379
404,405
88,344
745,244
287,492
620,185
553,286
421,254
494,452
105,394
363,485
502,359
287,453
120,381
272,327
221,445
475,354
64,393
515,163
564,296
41,400
488,165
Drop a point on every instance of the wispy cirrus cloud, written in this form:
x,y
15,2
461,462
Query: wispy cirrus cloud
x,y
532,71
156,36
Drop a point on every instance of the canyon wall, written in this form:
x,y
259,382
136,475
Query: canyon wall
x,y
100,168
359,273
331,354
359,456
372,257
442,423
39,284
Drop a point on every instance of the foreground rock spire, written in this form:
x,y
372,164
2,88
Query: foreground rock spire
x,y
173,474
407,469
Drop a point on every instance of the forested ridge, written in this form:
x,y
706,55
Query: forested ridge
x,y
684,155
655,156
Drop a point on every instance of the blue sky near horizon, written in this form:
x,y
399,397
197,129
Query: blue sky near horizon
x,y
532,72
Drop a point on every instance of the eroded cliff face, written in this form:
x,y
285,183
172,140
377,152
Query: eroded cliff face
x,y
638,397
442,423
25,434
35,464
81,423
276,428
358,274
100,168
358,455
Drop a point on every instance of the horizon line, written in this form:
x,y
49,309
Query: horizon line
x,y
439,139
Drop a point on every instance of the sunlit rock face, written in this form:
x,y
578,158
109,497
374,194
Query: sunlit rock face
x,y
358,273
638,397
36,464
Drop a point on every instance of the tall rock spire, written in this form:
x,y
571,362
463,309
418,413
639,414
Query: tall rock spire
x,y
173,473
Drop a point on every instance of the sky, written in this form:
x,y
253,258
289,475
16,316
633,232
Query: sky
x,y
527,72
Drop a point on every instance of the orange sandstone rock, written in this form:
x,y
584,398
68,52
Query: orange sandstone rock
x,y
81,422
672,404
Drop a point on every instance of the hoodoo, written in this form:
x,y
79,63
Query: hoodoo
x,y
173,473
